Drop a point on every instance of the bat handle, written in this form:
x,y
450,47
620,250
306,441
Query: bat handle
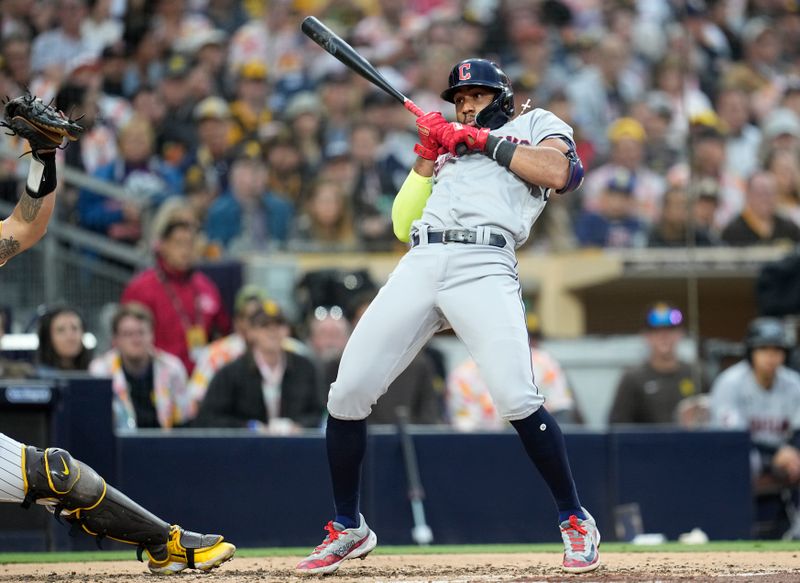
x,y
413,107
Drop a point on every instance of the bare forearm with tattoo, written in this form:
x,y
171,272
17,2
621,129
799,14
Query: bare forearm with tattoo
x,y
30,207
8,248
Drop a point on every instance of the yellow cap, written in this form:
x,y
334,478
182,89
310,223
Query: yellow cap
x,y
254,70
626,128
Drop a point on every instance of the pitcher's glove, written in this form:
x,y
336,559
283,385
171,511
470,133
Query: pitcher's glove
x,y
42,125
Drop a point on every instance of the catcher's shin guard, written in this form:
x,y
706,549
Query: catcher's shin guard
x,y
74,491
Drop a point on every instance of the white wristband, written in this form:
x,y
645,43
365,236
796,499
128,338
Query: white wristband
x,y
35,174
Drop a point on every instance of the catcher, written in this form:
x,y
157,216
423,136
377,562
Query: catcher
x,y
52,477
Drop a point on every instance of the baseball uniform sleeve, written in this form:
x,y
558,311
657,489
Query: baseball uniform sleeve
x,y
544,124
725,410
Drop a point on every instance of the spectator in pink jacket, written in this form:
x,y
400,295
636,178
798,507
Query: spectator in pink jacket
x,y
186,304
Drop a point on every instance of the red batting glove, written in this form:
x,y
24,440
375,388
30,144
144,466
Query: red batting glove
x,y
427,153
427,128
453,134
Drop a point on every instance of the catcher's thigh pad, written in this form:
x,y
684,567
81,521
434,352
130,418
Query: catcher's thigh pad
x,y
74,491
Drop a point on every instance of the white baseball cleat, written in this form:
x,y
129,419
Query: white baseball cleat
x,y
581,543
340,544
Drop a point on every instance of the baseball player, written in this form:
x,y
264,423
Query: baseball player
x,y
52,477
762,395
476,189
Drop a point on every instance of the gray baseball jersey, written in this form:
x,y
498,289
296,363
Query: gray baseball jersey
x,y
739,402
12,486
474,288
473,190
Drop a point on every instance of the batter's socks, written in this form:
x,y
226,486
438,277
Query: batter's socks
x,y
346,442
544,443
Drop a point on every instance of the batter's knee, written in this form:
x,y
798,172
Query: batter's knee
x,y
515,406
349,402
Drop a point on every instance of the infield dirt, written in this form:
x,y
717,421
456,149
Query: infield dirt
x,y
717,567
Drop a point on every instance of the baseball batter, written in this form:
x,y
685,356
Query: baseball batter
x,y
52,477
476,189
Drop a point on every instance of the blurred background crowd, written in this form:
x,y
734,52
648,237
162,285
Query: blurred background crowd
x,y
216,131
225,107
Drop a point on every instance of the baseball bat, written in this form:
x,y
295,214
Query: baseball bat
x,y
338,48
421,533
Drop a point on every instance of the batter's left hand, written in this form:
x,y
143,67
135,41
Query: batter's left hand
x,y
453,134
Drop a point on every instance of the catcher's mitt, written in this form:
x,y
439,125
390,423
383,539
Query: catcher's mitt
x,y
42,125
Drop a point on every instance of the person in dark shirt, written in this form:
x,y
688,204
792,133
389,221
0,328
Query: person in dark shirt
x,y
651,391
759,222
268,389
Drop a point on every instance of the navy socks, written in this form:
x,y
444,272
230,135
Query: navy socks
x,y
544,442
346,442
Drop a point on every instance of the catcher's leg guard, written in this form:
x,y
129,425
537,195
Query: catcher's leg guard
x,y
74,491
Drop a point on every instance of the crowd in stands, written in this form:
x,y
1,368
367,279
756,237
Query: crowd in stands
x,y
230,132
687,113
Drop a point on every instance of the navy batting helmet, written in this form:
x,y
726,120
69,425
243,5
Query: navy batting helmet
x,y
766,332
483,73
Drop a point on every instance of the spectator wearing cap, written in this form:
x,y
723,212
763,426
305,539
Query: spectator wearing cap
x,y
303,117
614,224
705,201
267,389
186,305
469,403
215,146
208,47
742,138
707,162
249,300
651,391
248,217
663,145
113,64
627,137
671,229
759,222
780,130
175,94
286,176
249,109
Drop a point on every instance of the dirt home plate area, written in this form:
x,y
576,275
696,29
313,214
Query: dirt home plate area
x,y
772,567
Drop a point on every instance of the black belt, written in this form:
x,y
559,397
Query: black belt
x,y
458,236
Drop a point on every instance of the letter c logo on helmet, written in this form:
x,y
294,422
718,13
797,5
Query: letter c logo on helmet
x,y
483,73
